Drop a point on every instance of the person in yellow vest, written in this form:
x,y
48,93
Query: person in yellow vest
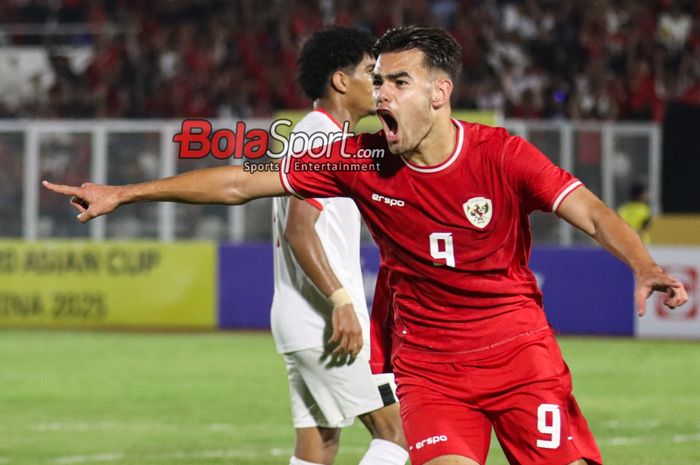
x,y
636,212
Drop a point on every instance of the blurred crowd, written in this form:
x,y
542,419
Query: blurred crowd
x,y
578,59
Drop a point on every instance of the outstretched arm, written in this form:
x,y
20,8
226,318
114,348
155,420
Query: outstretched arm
x,y
229,185
300,232
587,212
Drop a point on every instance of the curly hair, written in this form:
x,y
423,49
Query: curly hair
x,y
328,51
441,50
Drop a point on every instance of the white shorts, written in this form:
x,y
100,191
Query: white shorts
x,y
331,395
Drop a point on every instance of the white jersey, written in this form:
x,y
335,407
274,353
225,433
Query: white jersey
x,y
301,314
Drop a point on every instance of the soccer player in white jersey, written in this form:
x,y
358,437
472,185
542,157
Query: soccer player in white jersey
x,y
318,278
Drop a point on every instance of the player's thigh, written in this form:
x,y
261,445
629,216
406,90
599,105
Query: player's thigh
x,y
437,425
544,428
539,420
341,391
385,422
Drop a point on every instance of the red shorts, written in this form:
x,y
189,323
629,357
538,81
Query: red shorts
x,y
521,388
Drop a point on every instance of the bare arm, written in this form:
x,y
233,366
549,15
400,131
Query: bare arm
x,y
229,185
301,234
588,213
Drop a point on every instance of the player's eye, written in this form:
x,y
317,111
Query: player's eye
x,y
376,82
401,82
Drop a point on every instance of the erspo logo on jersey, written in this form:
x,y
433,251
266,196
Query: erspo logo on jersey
x,y
198,139
388,200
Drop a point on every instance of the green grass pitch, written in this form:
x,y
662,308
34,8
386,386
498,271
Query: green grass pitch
x,y
221,398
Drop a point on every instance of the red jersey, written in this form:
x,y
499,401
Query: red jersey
x,y
381,329
455,238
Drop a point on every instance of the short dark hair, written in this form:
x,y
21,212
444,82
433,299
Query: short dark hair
x,y
441,50
637,189
328,51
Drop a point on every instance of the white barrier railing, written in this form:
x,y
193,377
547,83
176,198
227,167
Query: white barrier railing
x,y
607,157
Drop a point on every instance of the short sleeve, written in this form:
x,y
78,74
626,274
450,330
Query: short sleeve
x,y
541,184
320,174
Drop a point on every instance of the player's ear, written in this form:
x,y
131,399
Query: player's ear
x,y
442,90
339,82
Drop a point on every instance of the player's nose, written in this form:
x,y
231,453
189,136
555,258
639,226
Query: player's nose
x,y
381,95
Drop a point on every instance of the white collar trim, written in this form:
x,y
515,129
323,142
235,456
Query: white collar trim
x,y
447,163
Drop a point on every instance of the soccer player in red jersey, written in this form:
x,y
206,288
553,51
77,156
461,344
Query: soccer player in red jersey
x,y
448,207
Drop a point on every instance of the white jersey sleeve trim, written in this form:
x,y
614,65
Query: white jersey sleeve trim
x,y
564,193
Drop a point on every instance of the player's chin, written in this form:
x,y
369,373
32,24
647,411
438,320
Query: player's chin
x,y
396,148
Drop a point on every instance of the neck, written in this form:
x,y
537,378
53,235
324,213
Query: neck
x,y
341,113
437,146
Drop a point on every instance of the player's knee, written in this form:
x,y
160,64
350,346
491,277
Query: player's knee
x,y
317,456
317,445
393,434
330,438
385,424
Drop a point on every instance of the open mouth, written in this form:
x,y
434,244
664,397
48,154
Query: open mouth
x,y
390,125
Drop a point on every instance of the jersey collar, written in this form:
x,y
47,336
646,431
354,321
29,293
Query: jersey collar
x,y
447,163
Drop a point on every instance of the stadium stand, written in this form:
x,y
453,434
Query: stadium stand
x,y
529,59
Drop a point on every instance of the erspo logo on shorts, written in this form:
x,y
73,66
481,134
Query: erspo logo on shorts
x,y
430,441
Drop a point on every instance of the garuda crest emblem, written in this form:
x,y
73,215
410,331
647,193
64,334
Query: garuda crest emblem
x,y
479,211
